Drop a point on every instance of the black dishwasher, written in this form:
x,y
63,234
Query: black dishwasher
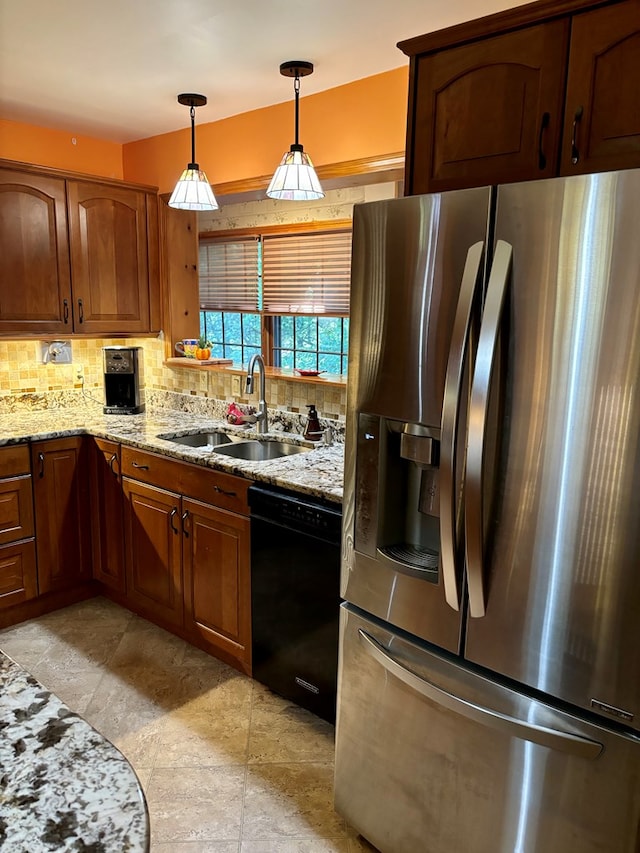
x,y
295,596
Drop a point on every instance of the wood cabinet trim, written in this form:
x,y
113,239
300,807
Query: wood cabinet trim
x,y
77,176
496,23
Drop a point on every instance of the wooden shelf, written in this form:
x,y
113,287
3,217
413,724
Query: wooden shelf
x,y
332,379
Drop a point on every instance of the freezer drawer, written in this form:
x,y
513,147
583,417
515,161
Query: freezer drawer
x,y
434,758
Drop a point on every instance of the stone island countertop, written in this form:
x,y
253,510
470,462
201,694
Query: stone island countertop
x,y
318,472
63,786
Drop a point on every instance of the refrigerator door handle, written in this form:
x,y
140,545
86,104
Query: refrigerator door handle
x,y
561,741
449,425
478,412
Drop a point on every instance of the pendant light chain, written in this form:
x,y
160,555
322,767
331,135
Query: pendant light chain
x,y
296,91
192,113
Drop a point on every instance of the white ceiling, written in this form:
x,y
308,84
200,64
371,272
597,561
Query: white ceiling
x,y
112,68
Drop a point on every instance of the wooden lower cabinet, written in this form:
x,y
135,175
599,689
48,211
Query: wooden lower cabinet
x,y
62,512
153,551
107,522
216,559
18,574
187,552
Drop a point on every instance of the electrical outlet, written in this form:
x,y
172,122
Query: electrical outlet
x,y
79,372
236,386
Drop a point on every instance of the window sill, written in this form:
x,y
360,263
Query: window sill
x,y
333,379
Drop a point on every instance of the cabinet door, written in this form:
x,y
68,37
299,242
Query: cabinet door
x,y
180,266
18,577
35,283
109,261
487,112
153,550
16,509
602,121
61,496
217,579
107,525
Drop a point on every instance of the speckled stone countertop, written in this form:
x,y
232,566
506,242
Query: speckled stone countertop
x,y
62,785
318,472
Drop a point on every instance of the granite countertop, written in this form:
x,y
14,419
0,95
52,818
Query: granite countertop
x,y
318,472
62,785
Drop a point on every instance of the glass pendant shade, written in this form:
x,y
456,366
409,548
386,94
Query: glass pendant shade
x,y
295,178
193,191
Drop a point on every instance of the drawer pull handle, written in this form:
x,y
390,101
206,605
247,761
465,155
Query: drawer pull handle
x,y
185,518
172,515
224,492
65,310
80,311
111,461
41,461
140,467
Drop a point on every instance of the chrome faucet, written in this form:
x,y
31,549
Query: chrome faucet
x,y
262,422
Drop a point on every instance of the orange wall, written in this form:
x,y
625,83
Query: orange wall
x,y
56,148
362,119
366,118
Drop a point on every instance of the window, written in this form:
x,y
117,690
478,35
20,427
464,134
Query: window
x,y
285,294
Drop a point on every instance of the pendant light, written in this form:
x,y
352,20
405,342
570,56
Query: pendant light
x,y
193,190
295,178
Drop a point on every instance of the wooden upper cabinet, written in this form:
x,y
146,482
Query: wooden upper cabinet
x,y
35,282
76,256
602,123
543,89
109,258
489,111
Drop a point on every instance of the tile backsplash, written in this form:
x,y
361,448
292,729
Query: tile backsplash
x,y
22,373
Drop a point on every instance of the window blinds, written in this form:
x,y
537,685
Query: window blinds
x,y
306,273
229,274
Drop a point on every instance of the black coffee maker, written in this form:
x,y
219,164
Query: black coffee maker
x,y
123,384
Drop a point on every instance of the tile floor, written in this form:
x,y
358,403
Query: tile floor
x,y
226,766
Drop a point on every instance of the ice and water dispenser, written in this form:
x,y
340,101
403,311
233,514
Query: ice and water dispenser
x,y
397,495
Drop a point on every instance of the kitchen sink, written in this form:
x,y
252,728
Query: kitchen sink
x,y
259,451
200,439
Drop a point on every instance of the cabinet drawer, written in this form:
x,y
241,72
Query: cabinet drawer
x,y
18,579
214,487
14,460
16,509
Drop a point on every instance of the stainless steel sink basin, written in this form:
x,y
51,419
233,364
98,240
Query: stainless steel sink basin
x,y
200,439
259,451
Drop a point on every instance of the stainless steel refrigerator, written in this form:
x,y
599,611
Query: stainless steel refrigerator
x,y
489,671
